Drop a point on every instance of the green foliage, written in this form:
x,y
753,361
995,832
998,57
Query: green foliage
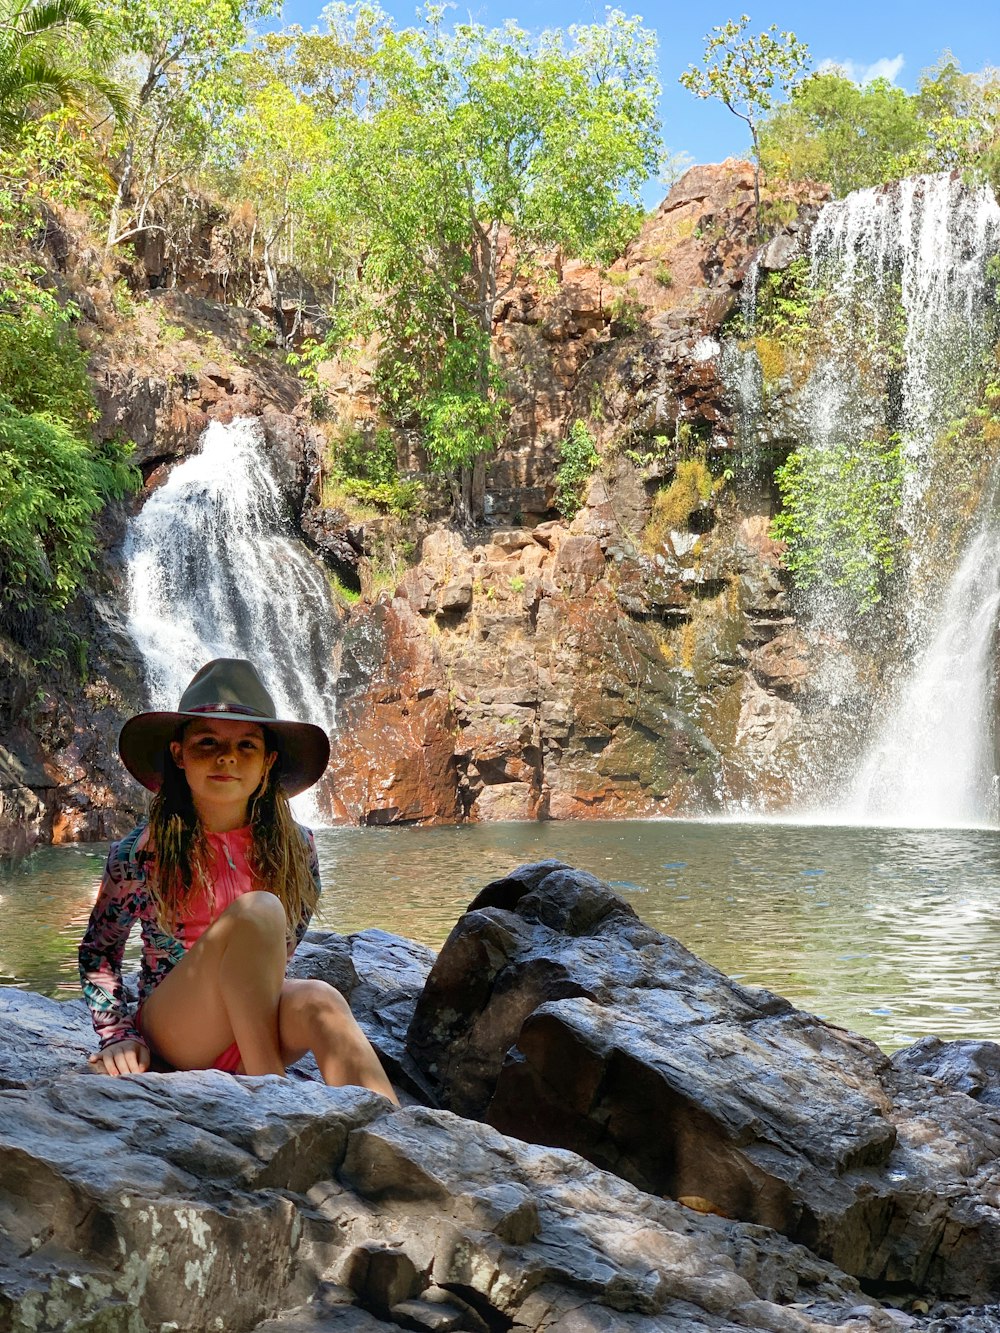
x,y
53,484
853,136
461,409
43,369
502,145
626,313
748,73
578,458
364,468
45,61
397,497
839,518
53,481
785,302
849,136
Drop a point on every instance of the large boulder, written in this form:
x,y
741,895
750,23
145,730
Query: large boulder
x,y
203,1201
556,1015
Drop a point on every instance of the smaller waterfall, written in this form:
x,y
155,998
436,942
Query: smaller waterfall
x,y
213,572
933,762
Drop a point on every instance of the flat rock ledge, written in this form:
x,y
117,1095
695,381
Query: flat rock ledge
x,y
172,1202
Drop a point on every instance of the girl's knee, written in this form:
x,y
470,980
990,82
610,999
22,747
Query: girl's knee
x,y
315,1001
258,907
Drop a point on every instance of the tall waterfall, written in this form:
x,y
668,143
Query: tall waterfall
x,y
906,268
922,247
213,572
933,760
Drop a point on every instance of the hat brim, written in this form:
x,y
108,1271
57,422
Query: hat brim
x,y
303,748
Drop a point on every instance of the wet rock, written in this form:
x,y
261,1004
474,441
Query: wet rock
x,y
201,1201
972,1067
555,1014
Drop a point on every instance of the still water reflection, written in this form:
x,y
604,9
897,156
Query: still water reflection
x,y
894,933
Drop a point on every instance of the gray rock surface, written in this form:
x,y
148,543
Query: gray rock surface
x,y
554,1013
203,1201
187,1202
972,1067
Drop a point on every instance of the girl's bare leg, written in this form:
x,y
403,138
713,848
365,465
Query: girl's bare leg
x,y
230,986
313,1016
226,988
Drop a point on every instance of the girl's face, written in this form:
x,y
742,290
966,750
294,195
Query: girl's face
x,y
224,762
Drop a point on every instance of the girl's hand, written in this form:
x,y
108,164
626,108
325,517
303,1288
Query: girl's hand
x,y
122,1057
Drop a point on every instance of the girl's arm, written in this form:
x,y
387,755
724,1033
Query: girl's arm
x,y
119,901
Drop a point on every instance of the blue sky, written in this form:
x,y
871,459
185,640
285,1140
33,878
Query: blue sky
x,y
896,37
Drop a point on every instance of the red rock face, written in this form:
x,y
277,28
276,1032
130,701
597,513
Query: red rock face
x,y
393,758
576,670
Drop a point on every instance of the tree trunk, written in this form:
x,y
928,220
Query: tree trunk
x,y
123,191
274,287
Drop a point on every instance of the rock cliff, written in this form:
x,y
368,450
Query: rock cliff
x,y
638,660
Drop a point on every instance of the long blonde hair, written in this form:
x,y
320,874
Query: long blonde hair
x,y
182,857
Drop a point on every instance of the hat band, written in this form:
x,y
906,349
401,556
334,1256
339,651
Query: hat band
x,y
243,709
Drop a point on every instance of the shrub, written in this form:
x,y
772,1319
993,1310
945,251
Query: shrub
x,y
43,368
839,518
578,459
363,467
53,480
53,484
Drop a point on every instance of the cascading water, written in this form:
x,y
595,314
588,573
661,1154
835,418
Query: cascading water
x,y
213,572
897,355
906,268
933,761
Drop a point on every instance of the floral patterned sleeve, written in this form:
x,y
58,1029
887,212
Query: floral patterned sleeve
x,y
306,917
120,901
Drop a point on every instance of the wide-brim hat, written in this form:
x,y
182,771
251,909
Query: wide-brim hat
x,y
231,690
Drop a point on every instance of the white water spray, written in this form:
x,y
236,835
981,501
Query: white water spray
x,y
917,249
906,267
212,572
932,763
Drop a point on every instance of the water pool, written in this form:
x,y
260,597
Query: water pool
x,y
894,933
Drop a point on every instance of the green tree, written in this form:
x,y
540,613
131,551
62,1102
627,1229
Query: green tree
x,y
833,130
747,73
178,49
961,116
479,152
44,60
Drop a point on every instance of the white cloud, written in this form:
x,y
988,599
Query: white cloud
x,y
886,68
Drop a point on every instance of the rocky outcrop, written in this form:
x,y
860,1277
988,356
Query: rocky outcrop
x,y
199,1201
604,667
556,1015
503,682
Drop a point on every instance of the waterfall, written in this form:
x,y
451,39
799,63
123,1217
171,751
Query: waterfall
x,y
213,572
911,259
932,762
903,272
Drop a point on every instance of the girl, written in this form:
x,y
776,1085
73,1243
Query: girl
x,y
223,883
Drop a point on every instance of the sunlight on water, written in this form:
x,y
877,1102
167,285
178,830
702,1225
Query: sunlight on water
x,y
894,933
